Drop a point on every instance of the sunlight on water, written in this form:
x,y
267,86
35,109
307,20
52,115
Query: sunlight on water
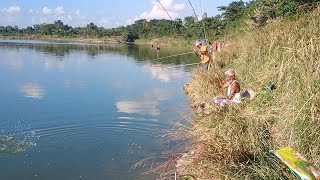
x,y
32,90
18,142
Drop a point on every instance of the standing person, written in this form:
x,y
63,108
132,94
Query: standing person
x,y
211,53
157,45
157,48
203,54
233,89
210,48
215,46
219,47
158,51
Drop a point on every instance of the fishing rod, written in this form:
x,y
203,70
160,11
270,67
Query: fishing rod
x,y
203,22
193,10
172,21
195,14
190,64
165,9
178,28
174,55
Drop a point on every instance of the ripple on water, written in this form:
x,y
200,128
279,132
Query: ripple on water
x,y
17,143
100,125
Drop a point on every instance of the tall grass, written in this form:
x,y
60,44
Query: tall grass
x,y
237,140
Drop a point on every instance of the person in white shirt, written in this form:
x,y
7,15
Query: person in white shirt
x,y
233,89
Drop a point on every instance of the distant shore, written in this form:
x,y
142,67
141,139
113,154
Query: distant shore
x,y
102,40
163,41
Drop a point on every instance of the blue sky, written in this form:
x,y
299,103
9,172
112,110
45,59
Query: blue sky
x,y
107,13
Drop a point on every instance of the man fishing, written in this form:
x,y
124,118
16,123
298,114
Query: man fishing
x,y
233,89
203,54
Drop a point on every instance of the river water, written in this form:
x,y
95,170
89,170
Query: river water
x,y
78,111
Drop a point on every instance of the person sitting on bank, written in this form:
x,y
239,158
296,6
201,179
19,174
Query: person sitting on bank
x,y
233,89
203,54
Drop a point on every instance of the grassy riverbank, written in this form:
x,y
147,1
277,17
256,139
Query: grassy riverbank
x,y
235,143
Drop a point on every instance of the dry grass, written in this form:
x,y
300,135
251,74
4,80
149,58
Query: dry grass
x,y
237,140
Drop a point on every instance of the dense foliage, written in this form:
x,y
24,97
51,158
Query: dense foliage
x,y
258,11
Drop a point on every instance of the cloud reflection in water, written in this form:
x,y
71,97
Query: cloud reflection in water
x,y
147,104
32,90
138,119
164,74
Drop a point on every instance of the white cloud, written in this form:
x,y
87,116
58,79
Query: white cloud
x,y
49,15
59,10
103,21
11,9
46,10
157,12
30,11
130,21
77,12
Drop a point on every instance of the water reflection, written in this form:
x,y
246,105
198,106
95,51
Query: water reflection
x,y
58,50
146,104
121,84
164,74
13,60
113,122
135,118
32,90
139,53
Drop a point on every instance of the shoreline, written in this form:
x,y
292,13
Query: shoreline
x,y
64,39
163,41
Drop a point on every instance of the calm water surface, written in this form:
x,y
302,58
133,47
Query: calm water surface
x,y
78,111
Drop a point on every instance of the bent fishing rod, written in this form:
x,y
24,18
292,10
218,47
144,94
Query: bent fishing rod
x,y
193,10
173,21
195,14
178,28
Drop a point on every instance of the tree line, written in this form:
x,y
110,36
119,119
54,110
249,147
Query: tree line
x,y
258,12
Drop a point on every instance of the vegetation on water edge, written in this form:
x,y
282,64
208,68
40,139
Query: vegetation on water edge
x,y
235,142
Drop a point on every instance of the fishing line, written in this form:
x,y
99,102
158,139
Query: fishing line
x,y
174,55
178,28
203,22
195,14
193,10
172,21
165,10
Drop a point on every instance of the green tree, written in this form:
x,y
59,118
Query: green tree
x,y
233,11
